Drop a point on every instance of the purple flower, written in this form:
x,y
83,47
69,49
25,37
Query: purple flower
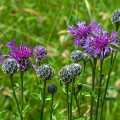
x,y
40,53
82,32
101,45
20,53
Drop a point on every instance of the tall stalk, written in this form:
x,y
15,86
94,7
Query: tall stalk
x,y
11,78
71,98
93,82
83,76
108,78
51,108
100,84
42,110
68,109
109,73
21,74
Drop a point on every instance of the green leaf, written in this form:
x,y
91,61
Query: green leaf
x,y
87,86
26,109
47,99
35,96
16,85
56,105
109,91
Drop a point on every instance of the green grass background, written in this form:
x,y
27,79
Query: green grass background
x,y
45,22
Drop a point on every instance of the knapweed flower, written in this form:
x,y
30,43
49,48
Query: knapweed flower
x,y
75,69
116,16
86,57
10,66
101,45
52,89
20,53
76,56
82,32
39,52
65,74
45,72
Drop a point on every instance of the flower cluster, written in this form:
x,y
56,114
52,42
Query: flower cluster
x,y
94,40
78,56
22,53
69,71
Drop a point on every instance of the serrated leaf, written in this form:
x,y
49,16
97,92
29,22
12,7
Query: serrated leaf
x,y
56,105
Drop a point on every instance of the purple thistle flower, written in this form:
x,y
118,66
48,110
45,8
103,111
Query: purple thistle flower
x,y
100,45
40,52
82,32
20,53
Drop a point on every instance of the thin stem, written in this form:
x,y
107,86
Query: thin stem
x,y
41,117
93,82
11,78
76,100
71,98
110,70
101,65
68,109
21,74
51,108
117,26
83,75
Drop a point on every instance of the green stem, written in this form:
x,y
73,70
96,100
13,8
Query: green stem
x,y
71,98
83,75
11,78
101,65
41,117
76,100
93,82
21,74
110,70
68,109
51,108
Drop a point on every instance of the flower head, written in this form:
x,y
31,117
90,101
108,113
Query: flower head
x,y
40,52
19,53
10,66
101,44
45,72
75,69
52,89
76,55
82,32
65,74
86,57
116,16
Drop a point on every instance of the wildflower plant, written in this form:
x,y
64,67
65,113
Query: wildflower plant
x,y
52,89
45,72
98,44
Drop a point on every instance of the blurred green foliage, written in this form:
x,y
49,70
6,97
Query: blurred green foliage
x,y
45,22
